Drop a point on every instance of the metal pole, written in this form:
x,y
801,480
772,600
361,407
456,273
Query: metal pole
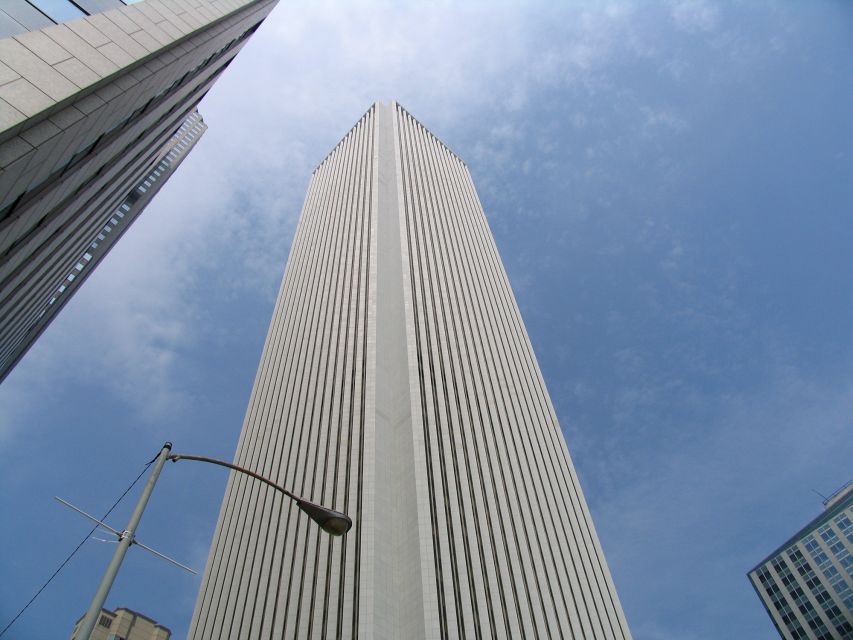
x,y
125,540
331,521
228,465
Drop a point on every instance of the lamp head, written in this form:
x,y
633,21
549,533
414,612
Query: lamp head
x,y
332,522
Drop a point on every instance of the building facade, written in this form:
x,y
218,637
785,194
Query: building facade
x,y
398,384
97,107
805,585
124,624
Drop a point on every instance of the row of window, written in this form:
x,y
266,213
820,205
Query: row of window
x,y
809,614
845,526
833,623
64,10
789,618
837,546
108,136
108,228
836,582
781,605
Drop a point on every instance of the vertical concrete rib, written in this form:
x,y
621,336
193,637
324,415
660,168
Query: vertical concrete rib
x,y
398,384
492,582
396,579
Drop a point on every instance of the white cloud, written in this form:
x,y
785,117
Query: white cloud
x,y
221,227
706,481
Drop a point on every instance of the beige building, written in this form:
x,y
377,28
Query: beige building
x,y
97,108
398,385
124,624
805,584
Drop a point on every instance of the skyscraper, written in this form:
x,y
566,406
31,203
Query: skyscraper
x,y
805,585
97,108
397,384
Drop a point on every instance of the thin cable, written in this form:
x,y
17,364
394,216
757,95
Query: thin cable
x,y
76,549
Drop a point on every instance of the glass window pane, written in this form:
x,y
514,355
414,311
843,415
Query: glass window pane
x,y
59,10
97,6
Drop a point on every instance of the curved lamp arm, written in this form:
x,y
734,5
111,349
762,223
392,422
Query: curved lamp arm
x,y
330,521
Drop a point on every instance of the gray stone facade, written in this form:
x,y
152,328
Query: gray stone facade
x,y
398,384
87,108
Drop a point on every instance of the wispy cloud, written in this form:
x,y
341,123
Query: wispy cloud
x,y
669,367
225,220
707,484
695,15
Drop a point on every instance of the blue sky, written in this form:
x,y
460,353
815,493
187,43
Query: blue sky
x,y
670,185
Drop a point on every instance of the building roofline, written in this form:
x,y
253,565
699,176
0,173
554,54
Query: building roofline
x,y
346,135
374,108
435,137
136,614
839,494
828,514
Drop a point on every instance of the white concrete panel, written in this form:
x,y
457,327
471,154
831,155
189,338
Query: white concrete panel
x,y
397,383
74,134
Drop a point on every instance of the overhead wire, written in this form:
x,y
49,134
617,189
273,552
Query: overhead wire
x,y
76,549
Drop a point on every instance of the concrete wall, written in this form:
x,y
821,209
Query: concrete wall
x,y
85,108
397,384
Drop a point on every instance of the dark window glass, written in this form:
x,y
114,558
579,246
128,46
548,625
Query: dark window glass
x,y
96,6
59,10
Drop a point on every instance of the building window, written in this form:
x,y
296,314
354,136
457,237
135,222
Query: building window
x,y
105,621
58,10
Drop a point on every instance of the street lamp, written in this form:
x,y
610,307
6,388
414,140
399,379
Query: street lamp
x,y
331,521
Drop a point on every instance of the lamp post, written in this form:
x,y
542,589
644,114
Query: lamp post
x,y
332,522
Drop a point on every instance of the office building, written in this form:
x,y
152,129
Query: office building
x,y
398,384
97,108
805,584
124,624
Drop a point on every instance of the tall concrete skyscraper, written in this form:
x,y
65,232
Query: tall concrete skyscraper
x,y
398,384
97,109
